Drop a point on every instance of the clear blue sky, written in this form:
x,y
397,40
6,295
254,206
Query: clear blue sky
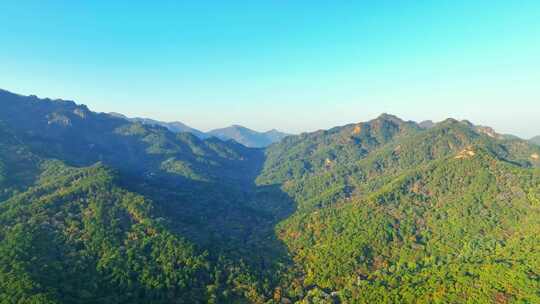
x,y
293,65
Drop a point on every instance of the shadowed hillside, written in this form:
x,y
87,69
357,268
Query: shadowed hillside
x,y
155,189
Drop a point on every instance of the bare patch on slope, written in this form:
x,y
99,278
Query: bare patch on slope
x,y
465,153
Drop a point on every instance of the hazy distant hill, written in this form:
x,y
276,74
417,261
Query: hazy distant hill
x,y
426,124
535,140
240,134
248,137
174,126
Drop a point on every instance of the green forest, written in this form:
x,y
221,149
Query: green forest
x,y
98,209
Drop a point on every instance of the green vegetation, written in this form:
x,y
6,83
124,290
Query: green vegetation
x,y
97,209
77,237
459,230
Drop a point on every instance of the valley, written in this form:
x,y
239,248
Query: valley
x,y
98,208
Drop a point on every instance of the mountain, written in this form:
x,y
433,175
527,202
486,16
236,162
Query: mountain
x,y
535,140
414,216
248,137
99,209
174,126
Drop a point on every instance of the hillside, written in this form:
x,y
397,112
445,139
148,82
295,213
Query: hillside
x,y
76,237
97,208
457,230
535,140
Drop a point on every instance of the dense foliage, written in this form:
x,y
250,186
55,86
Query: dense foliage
x,y
455,230
76,237
94,208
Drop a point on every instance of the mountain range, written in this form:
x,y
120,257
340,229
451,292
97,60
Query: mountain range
x,y
243,135
96,208
535,140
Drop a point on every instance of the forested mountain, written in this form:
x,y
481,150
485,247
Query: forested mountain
x,y
535,140
98,209
442,215
248,137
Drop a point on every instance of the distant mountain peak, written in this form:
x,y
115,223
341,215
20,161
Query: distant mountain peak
x,y
451,121
426,124
467,122
118,115
236,132
174,126
390,117
248,137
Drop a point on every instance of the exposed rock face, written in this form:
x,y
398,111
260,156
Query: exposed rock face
x,y
82,112
488,131
59,119
465,153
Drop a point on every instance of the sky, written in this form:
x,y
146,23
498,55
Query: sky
x,y
292,65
